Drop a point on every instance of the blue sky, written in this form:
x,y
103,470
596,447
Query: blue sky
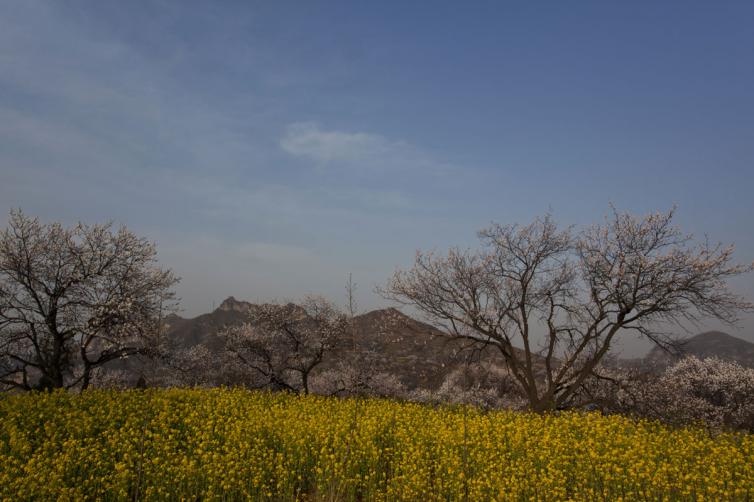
x,y
271,148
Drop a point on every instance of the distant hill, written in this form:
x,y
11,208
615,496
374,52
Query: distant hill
x,y
709,344
417,353
204,328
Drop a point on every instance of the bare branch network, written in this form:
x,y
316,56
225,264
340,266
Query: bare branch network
x,y
576,290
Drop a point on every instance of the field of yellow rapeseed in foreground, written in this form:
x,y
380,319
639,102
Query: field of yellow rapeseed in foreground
x,y
228,444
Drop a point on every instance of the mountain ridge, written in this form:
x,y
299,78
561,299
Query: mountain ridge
x,y
422,354
419,354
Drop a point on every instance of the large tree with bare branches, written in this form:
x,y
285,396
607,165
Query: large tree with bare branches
x,y
554,300
74,299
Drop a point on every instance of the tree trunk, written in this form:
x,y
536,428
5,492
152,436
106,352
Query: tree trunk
x,y
543,405
305,382
86,378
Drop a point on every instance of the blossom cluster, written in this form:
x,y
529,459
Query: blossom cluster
x,y
713,391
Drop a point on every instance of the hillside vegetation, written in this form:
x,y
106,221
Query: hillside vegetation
x,y
231,444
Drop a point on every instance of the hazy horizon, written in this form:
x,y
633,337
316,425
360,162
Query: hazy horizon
x,y
270,149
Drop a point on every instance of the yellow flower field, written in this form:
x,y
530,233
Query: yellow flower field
x,y
232,444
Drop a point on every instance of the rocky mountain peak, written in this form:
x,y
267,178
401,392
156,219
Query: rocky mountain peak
x,y
230,304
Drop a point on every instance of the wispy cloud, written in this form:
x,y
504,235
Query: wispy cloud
x,y
357,150
308,140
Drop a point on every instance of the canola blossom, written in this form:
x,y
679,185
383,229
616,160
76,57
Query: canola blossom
x,y
234,444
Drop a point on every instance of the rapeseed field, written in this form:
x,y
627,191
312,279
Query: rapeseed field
x,y
233,444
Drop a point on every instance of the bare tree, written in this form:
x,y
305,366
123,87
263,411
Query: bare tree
x,y
73,299
352,309
553,301
358,372
283,344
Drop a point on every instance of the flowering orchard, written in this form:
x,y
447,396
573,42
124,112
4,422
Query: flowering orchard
x,y
225,444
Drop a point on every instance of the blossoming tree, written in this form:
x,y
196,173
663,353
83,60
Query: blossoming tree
x,y
74,299
553,301
281,344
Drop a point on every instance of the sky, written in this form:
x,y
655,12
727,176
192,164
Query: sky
x,y
272,148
